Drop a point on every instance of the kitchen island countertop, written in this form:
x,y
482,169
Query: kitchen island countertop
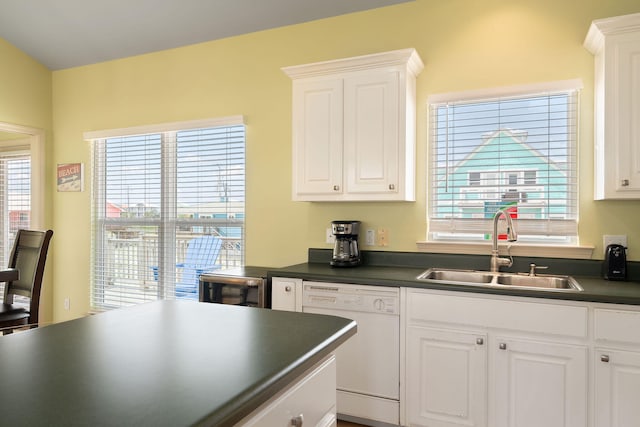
x,y
165,363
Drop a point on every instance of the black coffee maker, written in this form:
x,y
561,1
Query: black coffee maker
x,y
345,250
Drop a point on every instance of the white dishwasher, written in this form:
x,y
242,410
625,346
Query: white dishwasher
x,y
368,364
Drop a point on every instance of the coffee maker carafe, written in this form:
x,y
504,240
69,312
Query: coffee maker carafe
x,y
345,251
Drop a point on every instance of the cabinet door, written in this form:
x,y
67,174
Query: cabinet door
x,y
538,384
286,294
317,138
446,378
624,120
617,388
371,132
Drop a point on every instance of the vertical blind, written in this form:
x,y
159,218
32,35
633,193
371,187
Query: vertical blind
x,y
517,152
167,206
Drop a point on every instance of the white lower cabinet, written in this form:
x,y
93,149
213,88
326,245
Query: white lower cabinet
x,y
617,388
447,380
617,367
538,383
310,401
286,294
485,362
479,360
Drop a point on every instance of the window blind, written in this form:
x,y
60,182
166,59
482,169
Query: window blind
x,y
516,151
15,200
167,206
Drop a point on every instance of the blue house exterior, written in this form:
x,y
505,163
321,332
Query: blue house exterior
x,y
502,170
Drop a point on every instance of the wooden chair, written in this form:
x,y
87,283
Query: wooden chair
x,y
28,256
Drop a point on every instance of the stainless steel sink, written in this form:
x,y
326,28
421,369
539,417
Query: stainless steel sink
x,y
467,276
504,280
540,281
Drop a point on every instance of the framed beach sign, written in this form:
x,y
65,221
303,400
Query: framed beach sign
x,y
70,177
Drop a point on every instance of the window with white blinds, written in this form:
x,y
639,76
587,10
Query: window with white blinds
x,y
15,200
514,148
15,195
167,206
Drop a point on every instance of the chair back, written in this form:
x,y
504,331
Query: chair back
x,y
202,252
28,256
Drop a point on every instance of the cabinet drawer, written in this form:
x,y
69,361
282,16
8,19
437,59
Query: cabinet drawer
x,y
617,325
537,317
313,398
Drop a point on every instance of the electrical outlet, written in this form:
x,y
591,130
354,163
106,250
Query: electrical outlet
x,y
67,304
330,238
614,240
370,237
383,237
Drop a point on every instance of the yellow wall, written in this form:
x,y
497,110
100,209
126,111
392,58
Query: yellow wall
x,y
25,89
464,45
25,100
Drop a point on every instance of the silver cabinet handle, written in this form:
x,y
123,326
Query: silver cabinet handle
x,y
287,288
479,341
297,421
604,358
336,188
624,182
502,346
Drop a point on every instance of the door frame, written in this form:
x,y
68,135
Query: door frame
x,y
35,139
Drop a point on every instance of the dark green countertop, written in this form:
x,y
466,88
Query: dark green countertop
x,y
166,363
401,269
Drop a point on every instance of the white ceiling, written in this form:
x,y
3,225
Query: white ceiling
x,y
68,33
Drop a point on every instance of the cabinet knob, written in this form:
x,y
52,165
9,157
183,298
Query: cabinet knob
x,y
604,358
624,182
297,421
287,288
336,188
479,341
392,187
502,346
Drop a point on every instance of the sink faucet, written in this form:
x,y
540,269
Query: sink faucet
x,y
512,236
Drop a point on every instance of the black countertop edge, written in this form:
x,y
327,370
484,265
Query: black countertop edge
x,y
565,266
410,265
252,399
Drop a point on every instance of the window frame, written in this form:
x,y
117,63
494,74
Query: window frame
x,y
167,223
29,142
431,244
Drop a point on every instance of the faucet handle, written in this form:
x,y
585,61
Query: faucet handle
x,y
533,268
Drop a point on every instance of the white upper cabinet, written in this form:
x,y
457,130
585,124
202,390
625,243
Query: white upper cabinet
x,y
615,42
354,126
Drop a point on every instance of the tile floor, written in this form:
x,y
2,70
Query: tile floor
x,y
348,424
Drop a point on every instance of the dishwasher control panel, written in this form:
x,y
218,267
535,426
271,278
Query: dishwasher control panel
x,y
373,299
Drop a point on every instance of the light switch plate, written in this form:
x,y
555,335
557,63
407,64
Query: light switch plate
x,y
370,237
330,238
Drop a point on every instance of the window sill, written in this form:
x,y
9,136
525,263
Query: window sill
x,y
516,249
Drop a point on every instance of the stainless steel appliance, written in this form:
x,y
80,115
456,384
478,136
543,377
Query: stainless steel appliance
x,y
345,250
615,263
239,286
368,373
